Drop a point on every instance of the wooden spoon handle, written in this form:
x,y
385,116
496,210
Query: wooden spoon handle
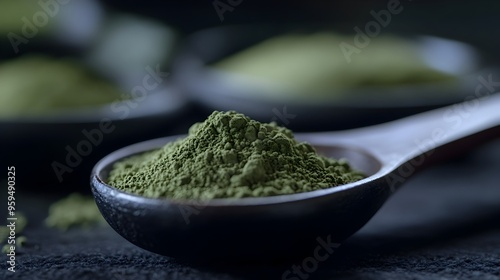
x,y
445,131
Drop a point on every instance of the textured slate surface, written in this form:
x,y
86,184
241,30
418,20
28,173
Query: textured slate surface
x,y
444,224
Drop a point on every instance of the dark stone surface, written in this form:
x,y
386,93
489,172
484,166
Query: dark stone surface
x,y
444,224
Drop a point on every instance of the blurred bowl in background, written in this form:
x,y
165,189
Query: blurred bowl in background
x,y
215,88
59,151
56,151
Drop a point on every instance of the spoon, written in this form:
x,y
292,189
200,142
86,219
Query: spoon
x,y
276,227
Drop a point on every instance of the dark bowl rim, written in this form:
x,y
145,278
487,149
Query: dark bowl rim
x,y
99,185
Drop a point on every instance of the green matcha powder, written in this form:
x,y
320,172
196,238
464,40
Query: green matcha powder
x,y
230,156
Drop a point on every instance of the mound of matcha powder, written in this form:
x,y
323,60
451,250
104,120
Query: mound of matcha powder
x,y
230,156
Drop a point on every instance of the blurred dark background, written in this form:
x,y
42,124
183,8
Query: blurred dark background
x,y
476,22
119,39
443,225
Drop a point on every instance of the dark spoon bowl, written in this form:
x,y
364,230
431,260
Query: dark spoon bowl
x,y
277,227
252,227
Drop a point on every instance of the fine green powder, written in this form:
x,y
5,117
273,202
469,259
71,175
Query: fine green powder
x,y
313,65
230,156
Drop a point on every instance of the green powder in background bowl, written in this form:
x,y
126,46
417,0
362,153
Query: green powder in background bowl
x,y
39,86
314,64
230,156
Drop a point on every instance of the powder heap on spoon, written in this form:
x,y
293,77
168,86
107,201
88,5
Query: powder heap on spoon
x,y
230,156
